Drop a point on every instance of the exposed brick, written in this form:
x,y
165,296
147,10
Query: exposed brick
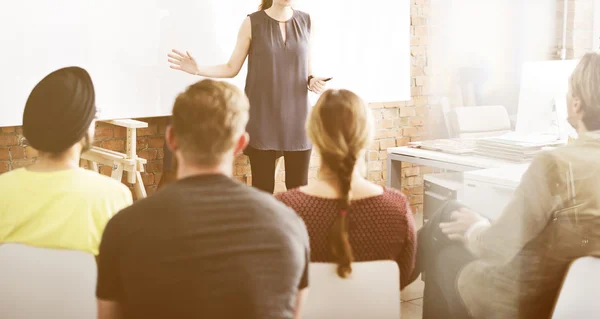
x,y
387,143
114,145
10,129
241,160
422,110
4,167
9,140
148,179
242,170
411,171
106,170
407,111
148,154
141,143
156,142
407,164
280,177
402,122
374,146
390,114
4,154
373,156
17,152
415,190
410,131
416,121
151,130
161,153
22,163
420,101
375,176
383,155
402,141
416,199
154,167
385,124
375,166
103,132
280,188
157,178
119,131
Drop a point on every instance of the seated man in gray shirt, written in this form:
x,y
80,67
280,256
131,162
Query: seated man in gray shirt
x,y
205,246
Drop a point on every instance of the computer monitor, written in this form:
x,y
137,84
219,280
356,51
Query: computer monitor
x,y
543,98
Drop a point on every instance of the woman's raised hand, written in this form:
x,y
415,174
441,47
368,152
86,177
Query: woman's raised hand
x,y
183,61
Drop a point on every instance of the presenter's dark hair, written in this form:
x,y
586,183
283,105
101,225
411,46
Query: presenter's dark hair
x,y
265,4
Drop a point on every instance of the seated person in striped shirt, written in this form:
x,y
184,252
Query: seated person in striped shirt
x,y
349,218
54,203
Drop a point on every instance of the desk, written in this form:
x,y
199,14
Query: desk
x,y
458,163
488,191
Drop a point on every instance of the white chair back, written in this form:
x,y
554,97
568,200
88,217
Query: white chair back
x,y
46,283
578,296
371,291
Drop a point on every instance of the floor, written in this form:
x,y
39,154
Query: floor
x,y
412,301
412,296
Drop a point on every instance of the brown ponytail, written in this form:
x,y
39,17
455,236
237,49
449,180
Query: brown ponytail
x,y
265,4
340,129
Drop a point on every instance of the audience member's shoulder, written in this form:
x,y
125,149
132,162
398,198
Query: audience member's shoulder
x,y
289,196
394,194
94,182
395,198
11,175
271,204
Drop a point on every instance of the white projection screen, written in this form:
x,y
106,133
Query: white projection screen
x,y
124,43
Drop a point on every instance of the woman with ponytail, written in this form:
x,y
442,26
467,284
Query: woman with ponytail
x,y
349,218
276,40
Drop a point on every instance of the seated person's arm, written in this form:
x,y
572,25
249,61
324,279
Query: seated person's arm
x,y
525,216
109,287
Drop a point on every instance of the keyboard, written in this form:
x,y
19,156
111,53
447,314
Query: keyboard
x,y
452,146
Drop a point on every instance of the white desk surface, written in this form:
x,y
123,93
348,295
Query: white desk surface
x,y
474,161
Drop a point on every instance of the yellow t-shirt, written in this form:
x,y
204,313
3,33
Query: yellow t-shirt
x,y
67,209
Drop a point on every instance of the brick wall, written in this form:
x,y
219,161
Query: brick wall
x,y
580,22
397,124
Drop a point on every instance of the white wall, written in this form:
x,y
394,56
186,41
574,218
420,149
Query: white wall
x,y
124,44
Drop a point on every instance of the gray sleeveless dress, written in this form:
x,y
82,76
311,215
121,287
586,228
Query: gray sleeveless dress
x,y
276,84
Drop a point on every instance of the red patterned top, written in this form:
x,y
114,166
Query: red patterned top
x,y
381,227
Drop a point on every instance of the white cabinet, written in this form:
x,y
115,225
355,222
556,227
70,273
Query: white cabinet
x,y
489,191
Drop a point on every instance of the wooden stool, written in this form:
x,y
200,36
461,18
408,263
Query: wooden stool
x,y
121,162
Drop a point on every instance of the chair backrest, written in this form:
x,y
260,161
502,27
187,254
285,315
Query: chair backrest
x,y
479,121
46,283
578,296
371,291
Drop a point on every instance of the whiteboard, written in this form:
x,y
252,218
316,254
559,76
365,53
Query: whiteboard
x,y
124,46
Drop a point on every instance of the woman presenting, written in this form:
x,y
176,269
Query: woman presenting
x,y
276,40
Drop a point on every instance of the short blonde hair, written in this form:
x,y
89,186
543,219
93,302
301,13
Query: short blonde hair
x,y
585,85
340,127
207,120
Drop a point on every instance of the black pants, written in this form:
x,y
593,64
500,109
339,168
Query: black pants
x,y
441,261
262,164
